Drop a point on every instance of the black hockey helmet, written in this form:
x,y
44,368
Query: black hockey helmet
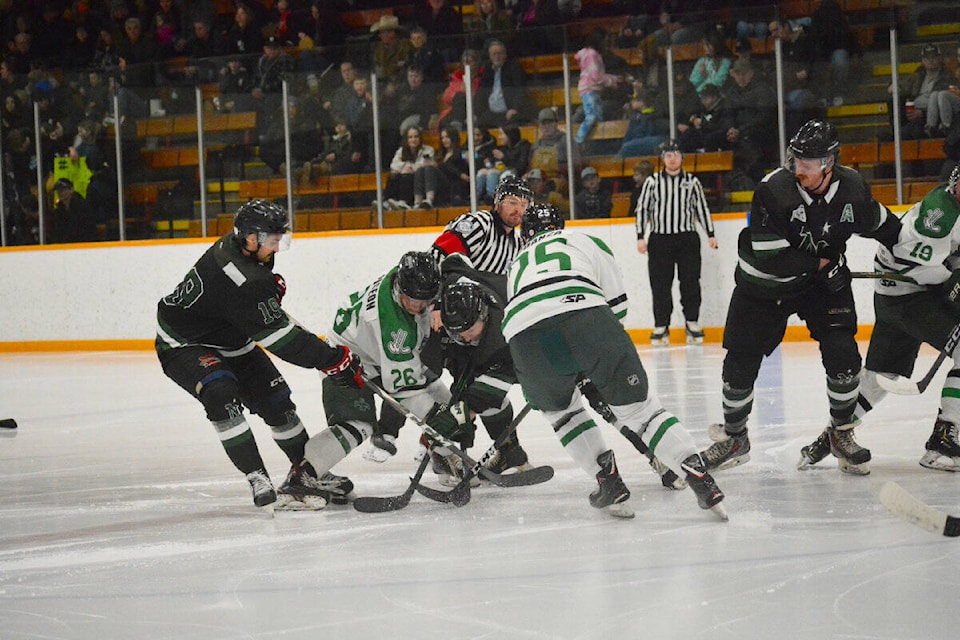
x,y
953,183
418,276
669,146
462,304
815,140
511,185
540,217
263,218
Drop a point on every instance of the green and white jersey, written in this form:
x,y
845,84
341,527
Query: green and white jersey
x,y
387,339
558,272
929,234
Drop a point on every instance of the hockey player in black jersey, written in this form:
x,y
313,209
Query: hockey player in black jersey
x,y
791,261
211,332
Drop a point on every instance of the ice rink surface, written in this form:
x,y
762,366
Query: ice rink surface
x,y
121,517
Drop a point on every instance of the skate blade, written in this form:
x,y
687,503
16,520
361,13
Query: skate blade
x,y
619,510
267,509
677,485
287,502
691,340
376,454
720,511
939,462
862,469
734,462
806,462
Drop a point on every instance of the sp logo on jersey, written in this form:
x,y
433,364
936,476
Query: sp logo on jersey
x,y
573,297
398,342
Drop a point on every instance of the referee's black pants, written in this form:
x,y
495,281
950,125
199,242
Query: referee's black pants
x,y
669,251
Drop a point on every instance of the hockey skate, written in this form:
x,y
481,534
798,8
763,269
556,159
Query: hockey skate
x,y
727,450
612,494
708,493
851,457
510,456
660,336
449,469
304,491
694,332
381,449
943,448
264,495
814,452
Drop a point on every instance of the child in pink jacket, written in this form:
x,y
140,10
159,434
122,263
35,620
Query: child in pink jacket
x,y
593,78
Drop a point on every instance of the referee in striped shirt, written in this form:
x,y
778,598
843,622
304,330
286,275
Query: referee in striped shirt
x,y
670,205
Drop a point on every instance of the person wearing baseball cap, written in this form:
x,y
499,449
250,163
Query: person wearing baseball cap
x,y
916,91
72,221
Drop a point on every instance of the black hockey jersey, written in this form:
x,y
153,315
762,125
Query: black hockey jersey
x,y
230,301
790,230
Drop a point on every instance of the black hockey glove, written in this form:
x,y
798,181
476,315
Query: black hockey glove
x,y
951,290
347,372
835,275
451,421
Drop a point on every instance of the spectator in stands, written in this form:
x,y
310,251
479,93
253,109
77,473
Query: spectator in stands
x,y
713,67
593,79
799,85
513,152
546,190
80,49
282,24
502,97
408,161
25,221
15,114
102,194
105,55
593,201
390,53
537,22
166,36
272,68
944,106
235,85
488,173
200,48
342,153
645,131
21,56
549,151
323,33
835,43
454,100
10,82
20,160
641,171
72,221
489,22
341,96
416,103
137,58
917,89
452,186
437,17
55,134
358,111
707,129
753,107
424,55
243,37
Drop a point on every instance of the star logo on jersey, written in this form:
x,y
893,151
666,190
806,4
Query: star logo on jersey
x,y
826,228
931,220
398,342
800,213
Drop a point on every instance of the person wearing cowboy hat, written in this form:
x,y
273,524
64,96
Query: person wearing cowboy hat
x,y
390,52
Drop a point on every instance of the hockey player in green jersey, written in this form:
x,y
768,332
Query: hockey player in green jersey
x,y
386,326
211,332
566,300
791,261
907,314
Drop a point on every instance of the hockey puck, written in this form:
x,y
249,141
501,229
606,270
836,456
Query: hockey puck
x,y
9,423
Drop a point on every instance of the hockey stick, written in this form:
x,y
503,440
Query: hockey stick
x,y
373,504
903,505
525,478
880,275
905,386
509,480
